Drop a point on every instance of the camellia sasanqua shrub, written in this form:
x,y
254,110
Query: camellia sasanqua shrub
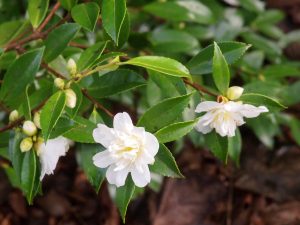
x,y
124,84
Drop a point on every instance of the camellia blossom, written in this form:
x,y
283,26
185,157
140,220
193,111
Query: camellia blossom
x,y
50,152
225,117
129,149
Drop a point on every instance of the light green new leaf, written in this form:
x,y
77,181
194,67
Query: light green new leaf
x,y
84,157
86,14
164,113
221,73
114,14
37,10
174,131
90,55
68,4
202,62
217,145
26,65
58,40
165,163
160,64
51,112
123,197
262,100
235,147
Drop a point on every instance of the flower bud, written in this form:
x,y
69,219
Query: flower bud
x,y
71,98
71,66
234,92
26,144
29,128
59,83
37,119
37,145
13,116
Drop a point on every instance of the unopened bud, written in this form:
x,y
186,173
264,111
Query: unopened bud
x,y
29,128
71,66
26,144
234,92
59,83
71,98
37,145
13,116
37,119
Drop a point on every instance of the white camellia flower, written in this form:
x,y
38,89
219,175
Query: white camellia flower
x,y
129,149
50,152
225,117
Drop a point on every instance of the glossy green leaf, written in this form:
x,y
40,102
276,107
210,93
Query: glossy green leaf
x,y
26,106
165,163
281,70
37,10
27,65
15,154
68,4
63,125
271,16
164,113
189,11
217,145
202,62
221,73
160,64
90,55
114,14
235,147
174,131
58,40
115,82
86,15
253,5
82,132
51,113
262,100
6,59
123,196
85,155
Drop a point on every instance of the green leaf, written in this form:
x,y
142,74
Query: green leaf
x,y
123,197
235,147
114,15
26,106
85,155
175,131
83,132
115,82
51,112
253,5
160,64
90,55
68,4
202,62
29,175
178,11
217,145
271,16
37,10
63,126
281,70
26,65
262,100
165,163
15,154
73,112
164,113
6,59
58,40
86,15
221,73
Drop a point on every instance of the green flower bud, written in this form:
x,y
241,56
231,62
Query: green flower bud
x,y
26,144
29,128
13,116
37,119
59,83
72,67
234,92
71,98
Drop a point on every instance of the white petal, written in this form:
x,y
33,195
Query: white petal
x,y
151,144
121,177
111,174
207,106
251,111
103,159
118,177
103,135
123,122
203,128
141,178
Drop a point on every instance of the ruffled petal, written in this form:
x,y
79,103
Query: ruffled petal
x,y
123,122
207,106
103,135
250,111
141,178
202,127
103,159
151,144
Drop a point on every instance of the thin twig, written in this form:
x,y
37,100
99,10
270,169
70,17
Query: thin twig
x,y
199,88
74,44
54,72
49,17
96,103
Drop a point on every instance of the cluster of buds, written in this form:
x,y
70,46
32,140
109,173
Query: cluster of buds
x,y
70,94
